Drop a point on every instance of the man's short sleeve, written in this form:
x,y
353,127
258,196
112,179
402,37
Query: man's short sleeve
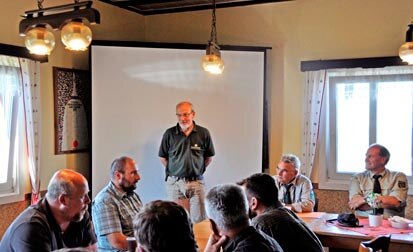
x,y
164,148
209,146
400,187
106,218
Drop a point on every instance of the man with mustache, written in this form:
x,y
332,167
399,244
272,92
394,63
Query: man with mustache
x,y
186,150
60,220
115,206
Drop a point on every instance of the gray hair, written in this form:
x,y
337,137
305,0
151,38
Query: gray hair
x,y
291,159
227,206
185,103
63,182
119,165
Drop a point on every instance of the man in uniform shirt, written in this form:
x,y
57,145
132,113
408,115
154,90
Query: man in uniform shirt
x,y
186,150
294,189
115,206
60,220
391,186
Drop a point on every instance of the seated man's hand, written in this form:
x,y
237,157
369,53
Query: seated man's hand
x,y
215,243
388,201
296,207
356,202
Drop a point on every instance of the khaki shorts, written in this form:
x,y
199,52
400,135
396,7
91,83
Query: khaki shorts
x,y
179,189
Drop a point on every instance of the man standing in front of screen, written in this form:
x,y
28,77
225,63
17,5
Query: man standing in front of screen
x,y
186,150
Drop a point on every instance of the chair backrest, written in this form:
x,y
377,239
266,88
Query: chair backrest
x,y
380,243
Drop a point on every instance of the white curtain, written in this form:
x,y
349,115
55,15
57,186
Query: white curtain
x,y
31,99
314,82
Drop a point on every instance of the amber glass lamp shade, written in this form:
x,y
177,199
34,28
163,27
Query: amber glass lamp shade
x,y
76,36
213,64
406,52
39,40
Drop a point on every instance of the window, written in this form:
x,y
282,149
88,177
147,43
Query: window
x,y
11,121
364,107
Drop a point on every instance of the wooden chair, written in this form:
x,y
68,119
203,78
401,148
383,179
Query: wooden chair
x,y
380,243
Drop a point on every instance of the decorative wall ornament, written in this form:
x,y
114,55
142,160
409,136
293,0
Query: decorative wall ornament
x,y
72,95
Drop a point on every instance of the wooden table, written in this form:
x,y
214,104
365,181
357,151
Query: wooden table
x,y
330,235
202,231
334,237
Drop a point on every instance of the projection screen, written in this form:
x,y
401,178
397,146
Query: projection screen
x,y
134,93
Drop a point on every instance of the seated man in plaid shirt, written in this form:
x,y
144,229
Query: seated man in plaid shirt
x,y
114,208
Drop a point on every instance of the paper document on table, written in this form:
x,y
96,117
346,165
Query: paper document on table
x,y
314,215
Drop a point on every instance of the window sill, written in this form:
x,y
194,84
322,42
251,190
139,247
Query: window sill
x,y
342,185
11,198
337,185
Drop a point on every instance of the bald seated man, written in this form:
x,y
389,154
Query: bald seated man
x,y
60,220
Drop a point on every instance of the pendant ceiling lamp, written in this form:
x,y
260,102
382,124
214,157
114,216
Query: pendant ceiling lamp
x,y
406,50
212,61
39,40
38,25
76,36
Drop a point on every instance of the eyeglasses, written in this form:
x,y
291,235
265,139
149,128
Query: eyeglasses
x,y
184,114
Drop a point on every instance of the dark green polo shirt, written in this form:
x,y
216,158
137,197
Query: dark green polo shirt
x,y
186,154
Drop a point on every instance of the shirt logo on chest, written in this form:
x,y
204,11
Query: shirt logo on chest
x,y
195,147
401,184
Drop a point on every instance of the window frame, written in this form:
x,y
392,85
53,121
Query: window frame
x,y
329,178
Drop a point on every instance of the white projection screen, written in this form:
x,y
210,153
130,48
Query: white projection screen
x,y
134,93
